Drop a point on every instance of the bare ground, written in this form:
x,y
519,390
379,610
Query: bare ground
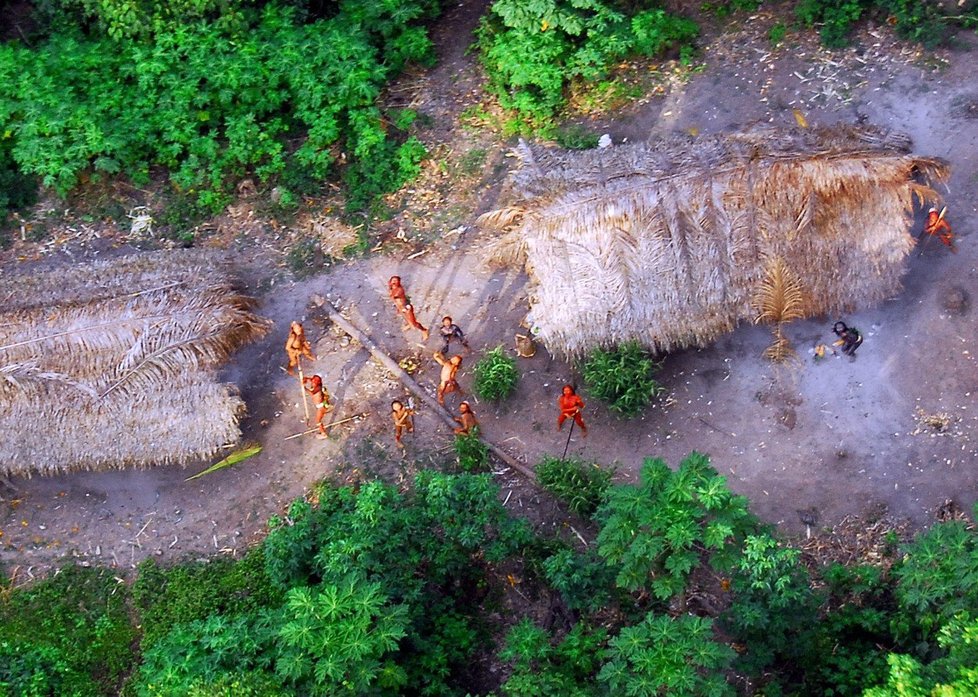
x,y
896,428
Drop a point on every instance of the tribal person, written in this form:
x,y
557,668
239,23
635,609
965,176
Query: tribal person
x,y
467,421
570,405
320,399
404,306
403,421
849,338
449,369
937,225
297,346
450,331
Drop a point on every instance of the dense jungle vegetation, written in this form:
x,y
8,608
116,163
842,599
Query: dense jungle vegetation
x,y
368,590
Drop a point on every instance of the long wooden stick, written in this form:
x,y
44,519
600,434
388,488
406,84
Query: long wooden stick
x,y
429,401
302,389
330,425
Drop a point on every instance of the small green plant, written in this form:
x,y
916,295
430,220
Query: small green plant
x,y
541,669
657,531
581,485
622,377
495,375
305,257
473,454
66,635
473,161
776,33
576,137
668,656
835,18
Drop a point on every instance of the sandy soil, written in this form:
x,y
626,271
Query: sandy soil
x,y
842,437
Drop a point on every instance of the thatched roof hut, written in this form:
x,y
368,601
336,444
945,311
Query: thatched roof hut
x,y
669,243
113,364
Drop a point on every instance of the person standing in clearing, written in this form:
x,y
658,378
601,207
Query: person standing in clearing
x,y
297,346
403,421
449,369
449,332
570,405
404,306
467,421
320,399
937,225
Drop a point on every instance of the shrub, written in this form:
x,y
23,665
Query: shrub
x,y
774,610
473,454
581,485
495,375
168,596
214,101
576,137
543,670
659,530
622,377
665,655
583,580
836,18
531,50
68,635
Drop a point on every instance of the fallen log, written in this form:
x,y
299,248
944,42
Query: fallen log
x,y
409,382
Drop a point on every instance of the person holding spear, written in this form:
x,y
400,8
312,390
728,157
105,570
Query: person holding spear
x,y
320,399
297,346
570,405
403,421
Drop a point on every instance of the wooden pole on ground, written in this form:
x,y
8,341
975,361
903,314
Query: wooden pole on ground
x,y
409,382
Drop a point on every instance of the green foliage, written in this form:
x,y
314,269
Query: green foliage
x,y
659,530
581,485
917,20
543,670
937,579
449,526
623,378
532,49
844,656
16,189
774,609
473,454
776,33
834,17
214,101
583,580
66,635
576,137
955,674
305,257
495,375
205,652
668,656
337,639
725,8
169,596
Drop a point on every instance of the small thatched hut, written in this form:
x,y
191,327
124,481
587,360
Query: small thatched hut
x,y
113,363
673,243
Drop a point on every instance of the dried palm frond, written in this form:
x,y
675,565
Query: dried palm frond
x,y
113,364
669,242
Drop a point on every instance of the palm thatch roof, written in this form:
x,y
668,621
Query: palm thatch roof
x,y
114,363
670,242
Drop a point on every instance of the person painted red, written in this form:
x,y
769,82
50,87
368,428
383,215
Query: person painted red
x,y
404,306
937,225
320,398
570,405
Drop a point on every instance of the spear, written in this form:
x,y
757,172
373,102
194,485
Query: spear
x,y
302,389
335,423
